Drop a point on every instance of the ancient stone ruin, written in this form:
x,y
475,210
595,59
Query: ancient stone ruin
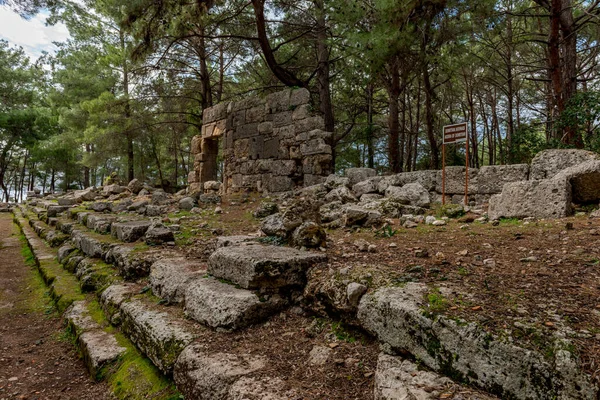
x,y
271,144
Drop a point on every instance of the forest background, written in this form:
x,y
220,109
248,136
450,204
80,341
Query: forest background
x,y
125,93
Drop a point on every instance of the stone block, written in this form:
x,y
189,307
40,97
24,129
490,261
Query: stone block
x,y
356,175
207,130
309,124
399,378
278,184
257,266
215,113
220,305
196,145
455,180
271,148
129,231
548,163
278,101
199,375
170,277
265,128
413,194
256,147
491,178
585,181
282,119
397,317
315,146
245,131
301,112
366,186
548,198
256,114
299,97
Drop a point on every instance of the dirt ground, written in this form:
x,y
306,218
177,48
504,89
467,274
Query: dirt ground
x,y
37,360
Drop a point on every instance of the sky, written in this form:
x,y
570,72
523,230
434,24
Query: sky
x,y
32,34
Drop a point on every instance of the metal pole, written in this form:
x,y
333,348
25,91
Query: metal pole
x,y
443,174
467,171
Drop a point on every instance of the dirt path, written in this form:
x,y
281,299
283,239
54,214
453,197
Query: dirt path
x,y
37,361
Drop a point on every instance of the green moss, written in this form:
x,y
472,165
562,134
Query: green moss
x,y
135,377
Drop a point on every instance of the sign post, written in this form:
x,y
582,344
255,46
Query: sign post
x,y
454,134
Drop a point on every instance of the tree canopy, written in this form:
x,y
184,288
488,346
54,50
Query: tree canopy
x,y
125,94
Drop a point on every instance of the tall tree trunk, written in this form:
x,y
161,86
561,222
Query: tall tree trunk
x,y
393,120
128,127
323,75
370,127
86,170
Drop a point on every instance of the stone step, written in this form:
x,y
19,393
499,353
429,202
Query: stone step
x,y
130,231
63,287
94,274
225,376
170,277
100,223
161,333
460,349
223,306
255,266
107,353
99,348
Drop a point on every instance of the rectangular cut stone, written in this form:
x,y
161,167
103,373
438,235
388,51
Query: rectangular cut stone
x,y
282,119
455,180
257,266
491,178
271,148
548,198
256,147
170,277
245,131
130,231
215,113
196,147
220,305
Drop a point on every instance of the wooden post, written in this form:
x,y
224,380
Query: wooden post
x,y
466,201
443,174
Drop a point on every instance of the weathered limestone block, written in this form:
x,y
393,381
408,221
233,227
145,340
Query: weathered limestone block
x,y
548,198
411,193
210,376
278,101
356,175
396,315
429,179
215,113
100,223
129,231
367,186
546,164
257,266
53,211
99,348
491,178
357,215
135,186
397,378
130,264
158,334
113,189
220,305
455,180
90,246
585,181
342,194
170,277
88,194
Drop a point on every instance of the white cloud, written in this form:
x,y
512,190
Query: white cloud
x,y
31,34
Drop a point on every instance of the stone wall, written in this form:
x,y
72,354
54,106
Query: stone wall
x,y
271,144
